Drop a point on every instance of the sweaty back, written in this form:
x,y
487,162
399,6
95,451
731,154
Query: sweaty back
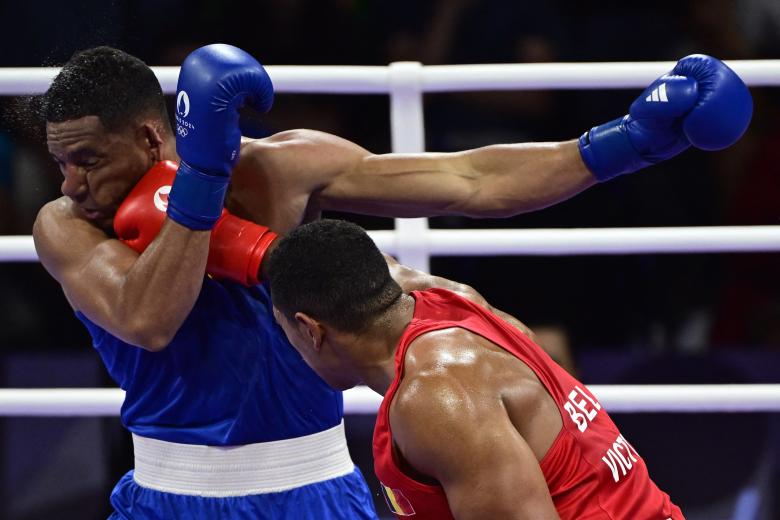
x,y
591,470
229,376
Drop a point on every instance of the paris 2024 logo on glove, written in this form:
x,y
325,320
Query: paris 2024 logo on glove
x,y
183,126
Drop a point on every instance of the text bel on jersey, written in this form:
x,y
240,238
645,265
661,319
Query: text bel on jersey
x,y
583,409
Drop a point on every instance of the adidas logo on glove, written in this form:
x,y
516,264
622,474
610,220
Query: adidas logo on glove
x,y
658,95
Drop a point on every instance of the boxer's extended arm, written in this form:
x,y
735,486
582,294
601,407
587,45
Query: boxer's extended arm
x,y
494,181
701,102
413,280
443,429
142,300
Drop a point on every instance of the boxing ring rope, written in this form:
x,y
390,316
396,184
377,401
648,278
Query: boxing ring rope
x,y
413,242
538,242
94,402
19,81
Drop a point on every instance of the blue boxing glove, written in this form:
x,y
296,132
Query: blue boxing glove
x,y
214,82
701,102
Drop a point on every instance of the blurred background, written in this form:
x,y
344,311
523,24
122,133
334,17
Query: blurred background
x,y
609,319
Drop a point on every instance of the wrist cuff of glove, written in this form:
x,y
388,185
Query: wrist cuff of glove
x,y
258,253
607,151
196,199
237,249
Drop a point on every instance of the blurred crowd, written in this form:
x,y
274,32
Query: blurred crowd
x,y
674,303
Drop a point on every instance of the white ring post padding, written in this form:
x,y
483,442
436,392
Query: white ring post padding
x,y
408,136
538,242
94,402
342,79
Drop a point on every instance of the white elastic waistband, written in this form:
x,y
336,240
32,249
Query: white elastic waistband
x,y
222,471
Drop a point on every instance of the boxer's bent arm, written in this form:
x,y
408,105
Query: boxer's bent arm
x,y
494,181
142,300
443,429
413,280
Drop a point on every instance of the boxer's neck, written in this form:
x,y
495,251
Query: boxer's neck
x,y
372,352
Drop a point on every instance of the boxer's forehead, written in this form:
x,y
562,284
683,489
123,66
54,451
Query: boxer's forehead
x,y
67,137
84,137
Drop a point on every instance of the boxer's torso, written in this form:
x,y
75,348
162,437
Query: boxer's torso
x,y
229,377
591,471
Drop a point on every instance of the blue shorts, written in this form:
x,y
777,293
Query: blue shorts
x,y
342,498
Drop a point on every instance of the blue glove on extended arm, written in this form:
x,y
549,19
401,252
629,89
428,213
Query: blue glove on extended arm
x,y
701,102
214,82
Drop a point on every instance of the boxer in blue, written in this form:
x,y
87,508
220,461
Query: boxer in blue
x,y
227,419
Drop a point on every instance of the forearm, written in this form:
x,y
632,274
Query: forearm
x,y
160,289
517,178
494,181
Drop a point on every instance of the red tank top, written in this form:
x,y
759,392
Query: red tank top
x,y
592,472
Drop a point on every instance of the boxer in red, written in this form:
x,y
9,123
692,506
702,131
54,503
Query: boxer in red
x,y
477,421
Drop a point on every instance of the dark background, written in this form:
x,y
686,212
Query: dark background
x,y
637,319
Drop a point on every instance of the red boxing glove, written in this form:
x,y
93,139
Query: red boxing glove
x,y
141,215
237,249
237,246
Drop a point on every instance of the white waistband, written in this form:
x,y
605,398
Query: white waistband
x,y
222,471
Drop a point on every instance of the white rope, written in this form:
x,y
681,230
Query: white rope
x,y
530,76
640,398
588,241
92,402
17,248
342,79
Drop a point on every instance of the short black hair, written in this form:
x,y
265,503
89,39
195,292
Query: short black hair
x,y
104,82
332,271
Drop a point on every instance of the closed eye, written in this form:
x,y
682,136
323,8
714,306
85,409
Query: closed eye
x,y
87,164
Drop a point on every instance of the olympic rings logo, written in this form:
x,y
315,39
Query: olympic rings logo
x,y
181,131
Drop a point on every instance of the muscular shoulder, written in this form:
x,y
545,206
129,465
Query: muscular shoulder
x,y
442,400
447,349
53,210
305,136
61,237
52,217
316,155
446,362
428,404
442,368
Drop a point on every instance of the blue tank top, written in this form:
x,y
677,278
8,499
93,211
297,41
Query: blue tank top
x,y
229,376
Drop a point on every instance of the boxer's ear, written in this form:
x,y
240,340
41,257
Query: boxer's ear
x,y
311,329
151,138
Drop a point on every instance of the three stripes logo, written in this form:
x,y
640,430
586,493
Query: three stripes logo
x,y
658,95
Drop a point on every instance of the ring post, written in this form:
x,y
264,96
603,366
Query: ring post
x,y
408,136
